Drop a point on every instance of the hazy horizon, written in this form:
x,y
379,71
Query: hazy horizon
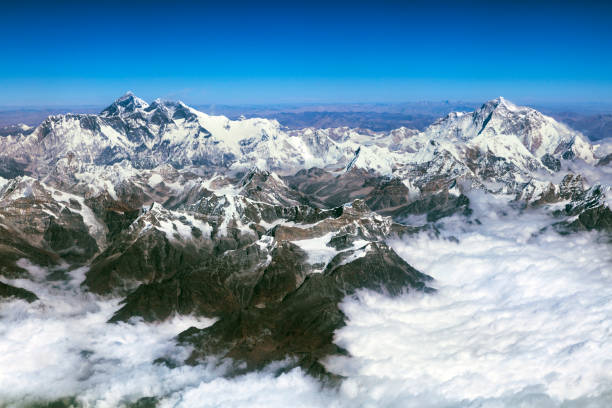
x,y
577,105
593,119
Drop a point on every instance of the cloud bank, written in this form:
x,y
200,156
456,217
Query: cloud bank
x,y
522,317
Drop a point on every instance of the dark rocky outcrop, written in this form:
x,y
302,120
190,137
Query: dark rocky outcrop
x,y
7,291
150,258
387,196
300,323
69,237
10,168
263,186
13,247
433,206
551,162
587,209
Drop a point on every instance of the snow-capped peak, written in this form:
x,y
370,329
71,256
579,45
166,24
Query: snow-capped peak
x,y
520,134
501,102
127,103
499,107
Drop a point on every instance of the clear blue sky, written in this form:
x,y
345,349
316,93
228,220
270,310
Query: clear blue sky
x,y
58,53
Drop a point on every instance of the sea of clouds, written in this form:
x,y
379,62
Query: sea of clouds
x,y
522,317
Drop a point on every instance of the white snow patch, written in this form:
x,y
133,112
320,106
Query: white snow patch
x,y
155,179
317,250
358,253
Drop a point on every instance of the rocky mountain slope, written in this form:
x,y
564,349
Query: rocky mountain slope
x,y
264,228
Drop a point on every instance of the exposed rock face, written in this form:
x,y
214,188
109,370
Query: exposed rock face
x,y
587,209
43,224
571,187
162,250
386,196
327,189
267,187
272,297
13,247
436,206
299,322
551,162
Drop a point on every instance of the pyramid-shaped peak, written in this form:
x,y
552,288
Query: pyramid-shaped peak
x,y
498,104
156,207
128,94
499,101
126,103
131,98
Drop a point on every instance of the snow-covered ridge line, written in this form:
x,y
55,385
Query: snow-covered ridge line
x,y
497,143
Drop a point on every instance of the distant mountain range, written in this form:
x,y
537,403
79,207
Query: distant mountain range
x,y
594,121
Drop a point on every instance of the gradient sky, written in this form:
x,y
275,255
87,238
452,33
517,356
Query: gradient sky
x,y
59,53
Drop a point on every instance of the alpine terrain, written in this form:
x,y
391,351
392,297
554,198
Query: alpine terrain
x,y
165,212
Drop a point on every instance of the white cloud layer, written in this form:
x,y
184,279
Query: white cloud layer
x,y
62,346
521,318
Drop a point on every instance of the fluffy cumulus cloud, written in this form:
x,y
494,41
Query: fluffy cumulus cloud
x,y
522,317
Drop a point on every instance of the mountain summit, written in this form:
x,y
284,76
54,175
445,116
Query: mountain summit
x,y
127,103
517,133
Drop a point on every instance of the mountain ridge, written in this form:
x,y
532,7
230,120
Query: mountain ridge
x,y
168,132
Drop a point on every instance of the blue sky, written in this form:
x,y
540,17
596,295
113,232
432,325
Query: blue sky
x,y
58,53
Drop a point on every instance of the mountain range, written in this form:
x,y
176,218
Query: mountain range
x,y
263,227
